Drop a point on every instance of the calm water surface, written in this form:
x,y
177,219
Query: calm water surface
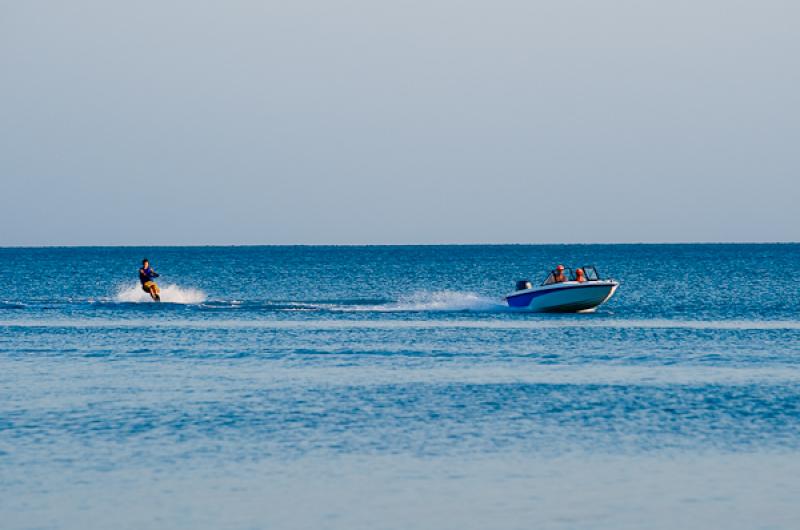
x,y
388,387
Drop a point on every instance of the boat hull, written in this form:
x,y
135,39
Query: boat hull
x,y
568,297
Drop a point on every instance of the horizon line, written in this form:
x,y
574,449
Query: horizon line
x,y
356,245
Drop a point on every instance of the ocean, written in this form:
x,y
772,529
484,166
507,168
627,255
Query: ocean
x,y
389,387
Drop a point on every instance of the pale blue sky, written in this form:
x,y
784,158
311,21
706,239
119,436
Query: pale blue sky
x,y
362,121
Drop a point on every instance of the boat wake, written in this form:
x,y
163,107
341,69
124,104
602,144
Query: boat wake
x,y
173,294
434,301
420,301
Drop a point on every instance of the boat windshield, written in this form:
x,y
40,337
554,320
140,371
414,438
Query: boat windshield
x,y
589,271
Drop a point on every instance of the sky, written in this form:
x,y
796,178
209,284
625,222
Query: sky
x,y
410,121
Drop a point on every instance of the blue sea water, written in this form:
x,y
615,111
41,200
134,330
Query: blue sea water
x,y
389,387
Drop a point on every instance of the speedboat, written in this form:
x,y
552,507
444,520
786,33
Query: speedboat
x,y
577,292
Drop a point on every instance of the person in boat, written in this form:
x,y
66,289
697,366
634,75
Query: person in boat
x,y
146,276
580,276
558,274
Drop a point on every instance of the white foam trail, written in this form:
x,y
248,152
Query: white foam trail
x,y
169,293
437,301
